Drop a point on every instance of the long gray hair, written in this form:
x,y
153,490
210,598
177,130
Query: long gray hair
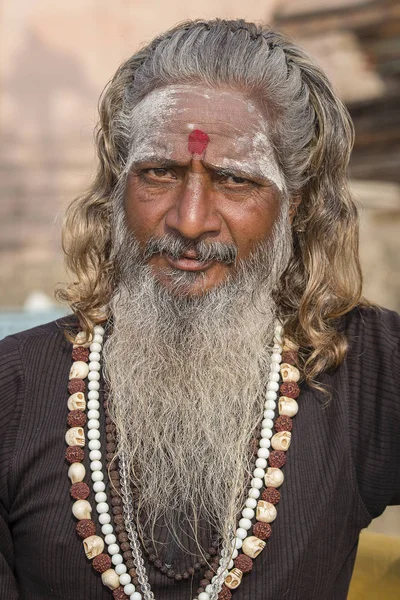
x,y
312,136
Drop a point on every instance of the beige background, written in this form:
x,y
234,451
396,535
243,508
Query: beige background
x,y
55,58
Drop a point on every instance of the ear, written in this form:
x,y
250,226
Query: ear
x,y
294,204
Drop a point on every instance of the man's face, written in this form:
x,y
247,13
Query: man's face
x,y
202,169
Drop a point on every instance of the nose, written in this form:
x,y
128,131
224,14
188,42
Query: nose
x,y
193,214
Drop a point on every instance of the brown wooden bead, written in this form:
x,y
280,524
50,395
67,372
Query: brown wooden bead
x,y
185,575
209,574
132,572
119,528
135,581
125,546
85,528
178,577
76,418
271,495
277,458
289,389
283,423
225,593
290,356
119,519
76,385
74,454
127,554
204,582
117,510
114,475
79,490
262,531
244,563
190,570
102,562
80,353
123,537
117,501
130,565
119,594
197,566
158,563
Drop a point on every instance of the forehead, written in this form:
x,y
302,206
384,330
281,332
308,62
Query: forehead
x,y
236,128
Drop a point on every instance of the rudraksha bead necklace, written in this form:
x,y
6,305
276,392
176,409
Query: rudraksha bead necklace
x,y
123,577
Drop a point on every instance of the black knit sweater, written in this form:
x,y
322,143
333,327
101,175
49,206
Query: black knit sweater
x,y
343,469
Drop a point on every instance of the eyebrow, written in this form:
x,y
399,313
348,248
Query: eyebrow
x,y
167,163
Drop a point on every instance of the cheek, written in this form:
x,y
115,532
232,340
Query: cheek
x,y
252,224
144,218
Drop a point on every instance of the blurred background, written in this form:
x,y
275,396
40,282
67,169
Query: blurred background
x,y
56,57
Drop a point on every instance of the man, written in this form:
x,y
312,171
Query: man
x,y
219,215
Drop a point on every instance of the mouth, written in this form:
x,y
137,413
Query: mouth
x,y
188,262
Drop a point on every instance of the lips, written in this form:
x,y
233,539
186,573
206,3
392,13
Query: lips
x,y
188,262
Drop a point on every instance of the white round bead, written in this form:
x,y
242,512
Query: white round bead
x,y
247,513
93,404
93,434
117,559
96,465
258,472
263,452
267,422
238,543
245,524
264,443
275,367
269,414
129,588
93,414
125,579
97,338
266,433
251,502
94,376
104,518
97,476
135,596
99,486
107,528
100,497
230,564
241,533
93,395
204,596
109,539
272,376
254,493
256,483
113,549
261,463
120,569
94,365
102,507
235,553
94,356
94,445
271,404
95,455
270,395
272,386
275,357
95,347
93,385
98,330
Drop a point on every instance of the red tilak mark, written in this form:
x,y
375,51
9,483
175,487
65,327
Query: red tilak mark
x,y
198,142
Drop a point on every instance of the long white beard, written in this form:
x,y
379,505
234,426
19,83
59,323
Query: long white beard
x,y
187,379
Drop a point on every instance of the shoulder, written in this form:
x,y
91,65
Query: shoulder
x,y
37,337
372,332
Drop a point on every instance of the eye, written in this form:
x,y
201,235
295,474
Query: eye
x,y
159,172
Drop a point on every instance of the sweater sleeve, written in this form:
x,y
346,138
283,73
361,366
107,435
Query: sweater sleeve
x,y
12,393
374,405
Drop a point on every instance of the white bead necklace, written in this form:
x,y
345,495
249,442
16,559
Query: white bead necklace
x,y
118,576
